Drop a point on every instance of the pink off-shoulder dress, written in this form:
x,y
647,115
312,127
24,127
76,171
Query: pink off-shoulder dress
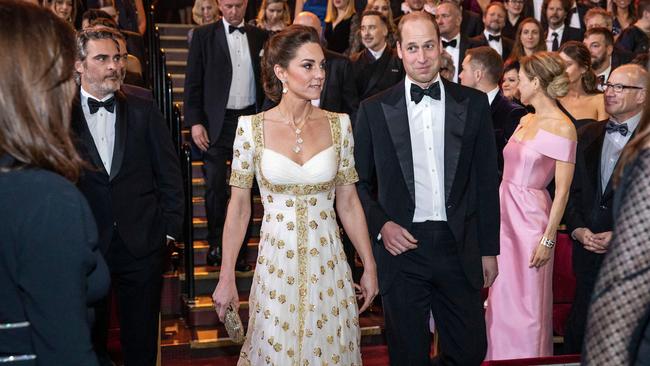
x,y
519,311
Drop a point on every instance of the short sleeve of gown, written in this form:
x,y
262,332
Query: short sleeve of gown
x,y
346,174
242,167
554,146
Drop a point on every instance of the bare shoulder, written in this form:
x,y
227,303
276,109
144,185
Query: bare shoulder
x,y
562,127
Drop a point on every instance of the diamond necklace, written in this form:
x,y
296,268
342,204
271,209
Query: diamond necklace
x,y
297,129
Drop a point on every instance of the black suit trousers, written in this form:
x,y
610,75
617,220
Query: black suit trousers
x,y
136,283
586,266
432,280
215,170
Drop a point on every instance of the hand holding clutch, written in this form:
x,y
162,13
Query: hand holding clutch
x,y
234,326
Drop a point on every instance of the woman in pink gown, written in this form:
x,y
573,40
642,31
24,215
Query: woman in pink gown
x,y
519,311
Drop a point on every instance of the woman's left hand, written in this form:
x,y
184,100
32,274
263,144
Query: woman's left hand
x,y
541,255
368,288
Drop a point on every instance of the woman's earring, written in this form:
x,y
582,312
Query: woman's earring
x,y
284,87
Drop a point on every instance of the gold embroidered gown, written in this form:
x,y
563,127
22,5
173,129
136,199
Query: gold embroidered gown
x,y
302,304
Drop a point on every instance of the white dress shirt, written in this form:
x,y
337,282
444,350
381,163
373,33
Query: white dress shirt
x,y
102,128
242,85
549,37
575,18
427,131
612,147
492,94
455,54
537,9
605,73
495,45
377,54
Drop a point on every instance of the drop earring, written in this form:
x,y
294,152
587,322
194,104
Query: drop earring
x,y
284,87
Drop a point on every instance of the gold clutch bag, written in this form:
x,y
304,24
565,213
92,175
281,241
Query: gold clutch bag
x,y
234,326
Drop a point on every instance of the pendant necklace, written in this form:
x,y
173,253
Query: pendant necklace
x,y
297,129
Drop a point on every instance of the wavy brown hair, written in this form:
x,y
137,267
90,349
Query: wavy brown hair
x,y
580,54
518,48
37,89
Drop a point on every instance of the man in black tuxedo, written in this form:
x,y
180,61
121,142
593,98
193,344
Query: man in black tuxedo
x,y
494,20
134,187
377,67
482,70
576,15
589,214
222,83
554,14
454,42
428,144
604,57
339,93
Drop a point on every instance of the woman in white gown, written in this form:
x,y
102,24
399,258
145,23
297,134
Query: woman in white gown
x,y
303,309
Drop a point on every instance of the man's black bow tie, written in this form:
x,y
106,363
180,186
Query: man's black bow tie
x,y
94,104
612,127
451,43
233,28
418,93
601,79
494,38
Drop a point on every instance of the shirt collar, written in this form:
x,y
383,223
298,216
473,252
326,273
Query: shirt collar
x,y
632,122
488,34
85,95
457,38
492,94
226,24
407,88
607,71
559,31
377,54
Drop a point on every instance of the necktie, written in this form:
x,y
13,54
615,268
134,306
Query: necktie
x,y
494,38
612,127
233,29
418,93
451,43
556,43
94,105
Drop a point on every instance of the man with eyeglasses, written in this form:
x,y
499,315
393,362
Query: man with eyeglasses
x,y
589,214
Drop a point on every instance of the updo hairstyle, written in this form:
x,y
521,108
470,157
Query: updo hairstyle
x,y
550,70
580,54
280,50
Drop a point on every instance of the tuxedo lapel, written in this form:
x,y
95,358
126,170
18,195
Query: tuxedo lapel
x,y
221,42
455,118
593,154
80,126
380,68
609,189
397,122
121,118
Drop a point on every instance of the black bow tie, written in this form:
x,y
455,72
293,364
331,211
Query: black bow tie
x,y
601,79
108,104
233,29
418,93
451,43
494,38
612,127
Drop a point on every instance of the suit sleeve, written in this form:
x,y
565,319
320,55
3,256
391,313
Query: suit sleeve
x,y
167,173
485,165
573,214
54,262
349,94
193,91
365,165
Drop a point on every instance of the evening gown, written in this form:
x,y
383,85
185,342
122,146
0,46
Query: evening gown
x,y
302,303
519,309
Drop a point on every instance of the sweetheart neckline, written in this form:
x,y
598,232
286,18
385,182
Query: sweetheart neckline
x,y
306,162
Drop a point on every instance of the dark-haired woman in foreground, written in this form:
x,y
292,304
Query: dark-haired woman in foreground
x,y
303,308
50,268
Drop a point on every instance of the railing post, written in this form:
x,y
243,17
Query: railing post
x,y
188,251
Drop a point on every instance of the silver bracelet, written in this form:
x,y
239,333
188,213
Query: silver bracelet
x,y
547,242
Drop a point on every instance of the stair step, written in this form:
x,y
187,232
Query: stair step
x,y
175,54
169,29
178,80
176,67
173,41
201,248
206,278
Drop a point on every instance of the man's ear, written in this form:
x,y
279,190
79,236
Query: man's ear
x,y
78,66
399,49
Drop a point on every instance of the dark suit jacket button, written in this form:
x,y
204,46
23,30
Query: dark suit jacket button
x,y
603,207
114,224
450,206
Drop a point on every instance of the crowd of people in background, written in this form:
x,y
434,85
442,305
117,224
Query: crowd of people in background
x,y
560,86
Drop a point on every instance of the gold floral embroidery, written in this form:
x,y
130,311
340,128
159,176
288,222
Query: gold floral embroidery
x,y
290,352
280,273
245,165
330,339
313,201
346,176
336,359
269,199
271,268
290,226
317,352
247,145
241,179
285,326
301,218
322,270
290,254
279,217
314,252
291,280
236,153
282,299
280,244
272,294
323,215
323,241
277,347
313,224
240,131
268,217
289,203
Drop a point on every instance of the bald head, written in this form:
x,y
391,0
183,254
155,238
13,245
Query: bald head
x,y
309,19
636,74
630,101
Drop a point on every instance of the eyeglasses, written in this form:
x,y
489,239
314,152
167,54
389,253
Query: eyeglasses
x,y
618,88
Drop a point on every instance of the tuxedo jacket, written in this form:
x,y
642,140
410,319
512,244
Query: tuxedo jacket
x,y
142,197
621,56
506,42
588,205
383,151
571,34
505,118
209,73
373,76
339,92
581,9
471,25
463,45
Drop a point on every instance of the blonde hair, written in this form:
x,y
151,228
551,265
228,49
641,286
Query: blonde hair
x,y
333,13
550,70
197,14
261,15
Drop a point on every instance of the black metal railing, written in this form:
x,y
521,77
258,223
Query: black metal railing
x,y
188,234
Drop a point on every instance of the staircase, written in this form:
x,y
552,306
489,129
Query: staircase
x,y
191,329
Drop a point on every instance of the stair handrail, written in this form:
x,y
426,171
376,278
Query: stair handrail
x,y
177,129
188,235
